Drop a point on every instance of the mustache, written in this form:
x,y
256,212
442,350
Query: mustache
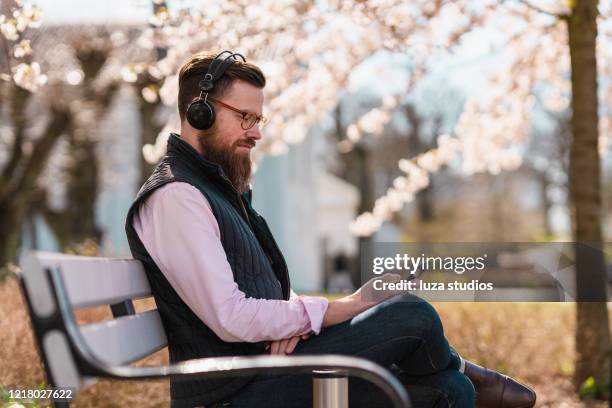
x,y
246,142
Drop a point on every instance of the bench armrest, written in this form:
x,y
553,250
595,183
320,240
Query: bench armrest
x,y
224,367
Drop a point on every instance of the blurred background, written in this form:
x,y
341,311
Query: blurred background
x,y
438,121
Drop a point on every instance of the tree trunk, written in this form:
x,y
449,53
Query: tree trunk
x,y
592,328
361,176
10,230
21,172
149,130
416,145
76,223
544,184
357,171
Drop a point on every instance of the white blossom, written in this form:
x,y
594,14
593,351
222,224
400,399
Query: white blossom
x,y
149,94
8,28
29,76
75,77
129,74
22,49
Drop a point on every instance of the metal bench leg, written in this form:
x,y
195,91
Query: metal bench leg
x,y
329,389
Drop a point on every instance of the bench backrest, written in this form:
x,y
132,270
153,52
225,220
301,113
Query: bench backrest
x,y
55,285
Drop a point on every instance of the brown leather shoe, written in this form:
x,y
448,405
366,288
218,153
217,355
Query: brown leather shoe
x,y
495,390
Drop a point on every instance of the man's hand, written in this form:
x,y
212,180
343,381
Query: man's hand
x,y
362,299
285,346
341,310
366,293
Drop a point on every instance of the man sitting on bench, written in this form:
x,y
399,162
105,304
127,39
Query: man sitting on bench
x,y
221,284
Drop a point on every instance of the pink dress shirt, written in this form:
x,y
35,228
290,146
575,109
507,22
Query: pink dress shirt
x,y
180,232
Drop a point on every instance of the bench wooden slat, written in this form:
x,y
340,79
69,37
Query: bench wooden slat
x,y
127,338
91,281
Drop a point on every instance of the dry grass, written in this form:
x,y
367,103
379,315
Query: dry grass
x,y
533,342
21,365
527,340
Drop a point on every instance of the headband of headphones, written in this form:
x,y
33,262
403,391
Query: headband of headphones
x,y
217,68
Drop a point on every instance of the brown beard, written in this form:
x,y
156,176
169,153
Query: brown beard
x,y
236,166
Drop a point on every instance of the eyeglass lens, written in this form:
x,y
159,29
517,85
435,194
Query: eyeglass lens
x,y
248,120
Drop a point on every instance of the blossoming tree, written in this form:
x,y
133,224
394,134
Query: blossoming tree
x,y
38,112
308,50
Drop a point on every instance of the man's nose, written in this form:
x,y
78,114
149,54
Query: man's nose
x,y
254,133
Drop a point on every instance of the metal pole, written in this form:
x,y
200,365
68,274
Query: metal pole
x,y
329,389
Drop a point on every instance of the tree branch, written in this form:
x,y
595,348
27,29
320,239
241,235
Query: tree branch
x,y
19,101
528,4
106,96
7,55
60,121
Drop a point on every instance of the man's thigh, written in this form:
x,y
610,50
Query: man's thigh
x,y
403,329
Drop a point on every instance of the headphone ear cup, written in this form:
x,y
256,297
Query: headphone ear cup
x,y
200,115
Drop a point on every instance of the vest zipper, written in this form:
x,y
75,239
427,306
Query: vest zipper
x,y
251,226
278,251
246,216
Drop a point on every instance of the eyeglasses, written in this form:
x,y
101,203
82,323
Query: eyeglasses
x,y
249,119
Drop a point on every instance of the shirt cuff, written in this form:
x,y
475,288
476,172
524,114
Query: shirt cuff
x,y
315,309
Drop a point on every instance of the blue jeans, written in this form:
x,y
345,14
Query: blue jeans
x,y
404,334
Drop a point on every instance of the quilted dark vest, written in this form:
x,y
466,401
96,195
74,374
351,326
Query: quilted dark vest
x,y
257,264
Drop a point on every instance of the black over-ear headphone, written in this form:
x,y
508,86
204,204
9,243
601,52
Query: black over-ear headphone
x,y
200,113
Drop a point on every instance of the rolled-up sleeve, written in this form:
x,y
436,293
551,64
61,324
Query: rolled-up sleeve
x,y
179,230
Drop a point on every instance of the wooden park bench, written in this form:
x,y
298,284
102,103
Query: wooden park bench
x,y
75,356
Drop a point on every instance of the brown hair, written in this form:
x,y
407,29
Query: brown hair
x,y
194,69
